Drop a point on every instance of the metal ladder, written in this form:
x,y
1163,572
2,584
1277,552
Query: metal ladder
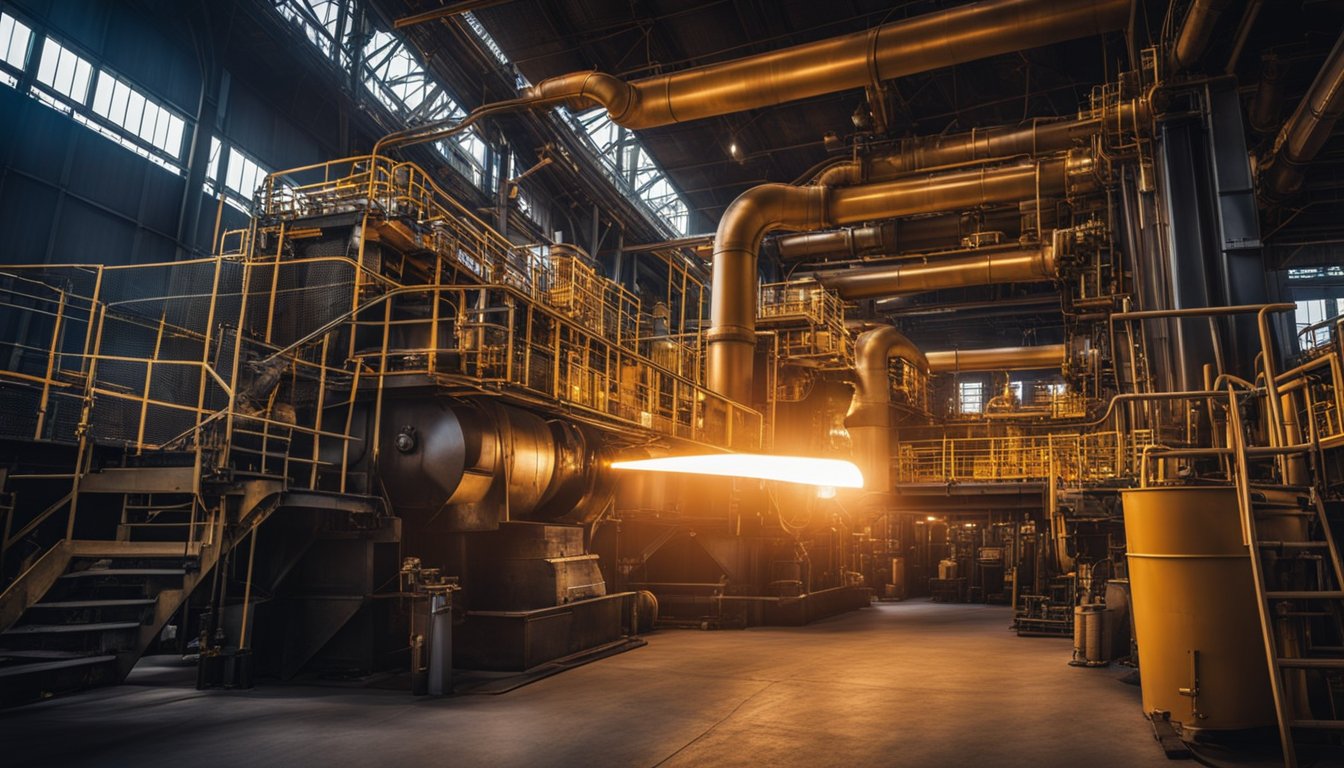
x,y
1288,607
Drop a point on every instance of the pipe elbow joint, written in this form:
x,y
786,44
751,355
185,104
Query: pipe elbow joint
x,y
767,207
583,90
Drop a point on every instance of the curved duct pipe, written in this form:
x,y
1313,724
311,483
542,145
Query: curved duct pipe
x,y
1193,38
1017,266
998,359
1307,130
924,43
1041,137
869,416
732,334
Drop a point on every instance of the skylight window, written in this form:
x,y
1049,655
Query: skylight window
x,y
244,175
320,21
64,72
140,116
485,37
15,37
394,75
633,170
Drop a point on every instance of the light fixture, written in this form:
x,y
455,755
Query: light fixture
x,y
824,473
734,151
931,518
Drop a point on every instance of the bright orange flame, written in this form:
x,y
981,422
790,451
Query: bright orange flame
x,y
826,473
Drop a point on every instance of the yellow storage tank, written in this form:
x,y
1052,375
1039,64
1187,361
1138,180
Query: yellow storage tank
x,y
1201,656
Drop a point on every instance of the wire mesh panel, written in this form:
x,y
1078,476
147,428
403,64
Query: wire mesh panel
x,y
45,316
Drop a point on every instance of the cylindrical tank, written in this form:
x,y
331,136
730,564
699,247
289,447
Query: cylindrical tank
x,y
467,465
1201,656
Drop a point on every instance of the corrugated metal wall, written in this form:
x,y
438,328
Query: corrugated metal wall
x,y
70,195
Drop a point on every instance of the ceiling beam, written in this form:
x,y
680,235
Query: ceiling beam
x,y
446,11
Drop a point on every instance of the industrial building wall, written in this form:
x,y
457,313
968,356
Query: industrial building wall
x,y
69,194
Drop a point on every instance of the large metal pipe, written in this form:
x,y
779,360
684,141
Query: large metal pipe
x,y
1263,110
1307,130
1027,265
1193,39
924,43
1038,138
869,418
938,232
732,334
998,359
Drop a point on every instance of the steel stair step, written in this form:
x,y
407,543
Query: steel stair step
x,y
1306,595
48,666
125,572
37,653
60,604
1293,545
1308,663
140,549
61,629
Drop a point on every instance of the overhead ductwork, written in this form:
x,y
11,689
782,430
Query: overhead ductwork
x,y
901,48
1028,265
977,146
869,419
998,359
1193,39
732,334
1306,131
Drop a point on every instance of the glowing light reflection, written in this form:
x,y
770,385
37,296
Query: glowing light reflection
x,y
826,473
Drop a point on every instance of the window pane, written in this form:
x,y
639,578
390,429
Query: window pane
x,y
14,39
120,96
213,173
135,113
970,397
102,95
64,72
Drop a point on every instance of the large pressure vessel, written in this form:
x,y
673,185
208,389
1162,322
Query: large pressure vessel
x,y
468,465
1201,654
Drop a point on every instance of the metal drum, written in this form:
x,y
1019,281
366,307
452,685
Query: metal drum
x,y
1201,656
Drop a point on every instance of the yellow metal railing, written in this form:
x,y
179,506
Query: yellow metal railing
x,y
809,319
1073,458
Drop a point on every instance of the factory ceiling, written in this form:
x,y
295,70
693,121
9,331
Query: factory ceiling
x,y
639,38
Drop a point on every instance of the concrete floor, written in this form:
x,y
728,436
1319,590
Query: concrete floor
x,y
909,684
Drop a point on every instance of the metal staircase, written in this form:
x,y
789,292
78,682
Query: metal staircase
x,y
86,611
1299,584
83,613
